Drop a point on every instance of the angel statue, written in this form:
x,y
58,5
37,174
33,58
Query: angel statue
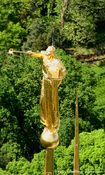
x,y
53,72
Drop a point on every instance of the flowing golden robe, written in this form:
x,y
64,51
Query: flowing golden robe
x,y
53,72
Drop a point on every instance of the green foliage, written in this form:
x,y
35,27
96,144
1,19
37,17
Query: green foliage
x,y
80,27
8,152
22,11
13,36
15,17
80,30
24,167
16,167
91,157
80,20
50,5
81,73
20,84
99,91
92,151
91,154
2,171
41,33
35,39
20,76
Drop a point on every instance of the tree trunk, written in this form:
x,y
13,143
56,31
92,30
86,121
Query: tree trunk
x,y
63,12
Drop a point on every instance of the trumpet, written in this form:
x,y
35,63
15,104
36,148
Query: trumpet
x,y
11,51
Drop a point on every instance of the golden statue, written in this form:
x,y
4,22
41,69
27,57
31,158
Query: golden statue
x,y
53,72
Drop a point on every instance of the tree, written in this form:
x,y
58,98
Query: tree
x,y
50,9
8,152
81,73
22,11
2,171
13,36
20,84
94,151
41,33
91,155
80,20
76,21
24,167
61,7
35,39
99,91
14,22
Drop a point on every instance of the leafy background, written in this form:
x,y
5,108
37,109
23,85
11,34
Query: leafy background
x,y
31,25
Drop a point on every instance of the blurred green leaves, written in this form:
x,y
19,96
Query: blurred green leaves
x,y
91,155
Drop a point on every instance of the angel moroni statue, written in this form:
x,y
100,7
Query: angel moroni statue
x,y
53,72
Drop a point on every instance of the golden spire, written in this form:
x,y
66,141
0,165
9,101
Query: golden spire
x,y
76,144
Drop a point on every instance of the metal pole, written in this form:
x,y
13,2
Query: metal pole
x,y
49,162
76,145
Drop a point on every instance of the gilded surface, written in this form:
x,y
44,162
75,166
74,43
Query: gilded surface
x,y
53,72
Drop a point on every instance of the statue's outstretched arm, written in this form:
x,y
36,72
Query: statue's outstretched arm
x,y
39,55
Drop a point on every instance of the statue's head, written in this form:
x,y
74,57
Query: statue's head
x,y
50,49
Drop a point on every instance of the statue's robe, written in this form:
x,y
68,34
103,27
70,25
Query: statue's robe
x,y
53,72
